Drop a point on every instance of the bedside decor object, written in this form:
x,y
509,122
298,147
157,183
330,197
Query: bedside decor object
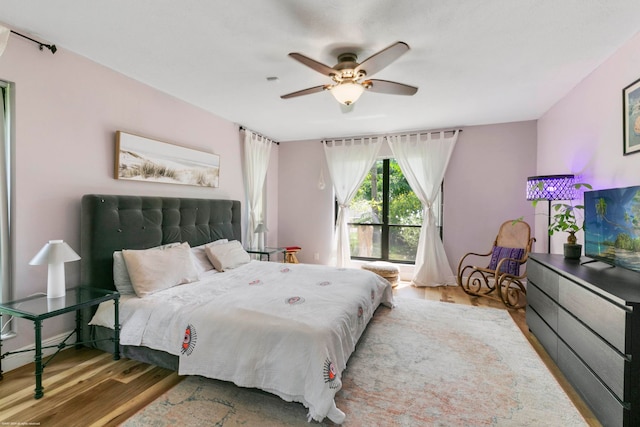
x,y
266,252
260,230
549,188
55,254
290,254
631,117
144,159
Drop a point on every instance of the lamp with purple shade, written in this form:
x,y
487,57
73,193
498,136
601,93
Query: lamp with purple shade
x,y
549,188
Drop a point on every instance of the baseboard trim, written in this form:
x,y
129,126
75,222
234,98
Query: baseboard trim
x,y
14,361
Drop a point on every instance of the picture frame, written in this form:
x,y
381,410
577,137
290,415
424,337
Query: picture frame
x,y
138,158
631,118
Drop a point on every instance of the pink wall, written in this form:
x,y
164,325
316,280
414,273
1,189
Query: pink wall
x,y
582,133
305,213
67,111
484,186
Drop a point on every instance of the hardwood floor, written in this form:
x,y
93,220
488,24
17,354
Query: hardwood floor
x,y
87,388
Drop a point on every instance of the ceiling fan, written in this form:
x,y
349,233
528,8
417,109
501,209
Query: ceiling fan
x,y
349,76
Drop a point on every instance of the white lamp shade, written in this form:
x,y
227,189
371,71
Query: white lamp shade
x,y
261,228
347,92
55,254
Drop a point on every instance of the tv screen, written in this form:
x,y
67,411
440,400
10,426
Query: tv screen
x,y
612,226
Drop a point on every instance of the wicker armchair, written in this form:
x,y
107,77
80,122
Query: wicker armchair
x,y
501,271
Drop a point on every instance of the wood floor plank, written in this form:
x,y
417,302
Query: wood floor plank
x,y
119,414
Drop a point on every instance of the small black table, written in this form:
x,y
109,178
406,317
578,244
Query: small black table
x,y
38,308
266,252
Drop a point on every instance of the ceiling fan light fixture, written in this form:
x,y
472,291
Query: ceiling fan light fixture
x,y
347,92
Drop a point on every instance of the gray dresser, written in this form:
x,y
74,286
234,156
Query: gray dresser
x,y
587,317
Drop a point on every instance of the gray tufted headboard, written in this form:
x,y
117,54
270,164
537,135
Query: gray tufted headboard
x,y
110,223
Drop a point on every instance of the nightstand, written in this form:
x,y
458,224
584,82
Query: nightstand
x,y
265,252
38,308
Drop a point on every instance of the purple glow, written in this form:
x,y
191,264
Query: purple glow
x,y
551,187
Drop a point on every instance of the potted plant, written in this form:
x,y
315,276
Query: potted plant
x,y
564,219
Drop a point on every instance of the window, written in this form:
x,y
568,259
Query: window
x,y
386,216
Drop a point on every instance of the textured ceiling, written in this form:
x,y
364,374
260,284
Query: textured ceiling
x,y
474,61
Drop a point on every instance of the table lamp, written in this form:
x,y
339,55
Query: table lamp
x,y
260,230
55,254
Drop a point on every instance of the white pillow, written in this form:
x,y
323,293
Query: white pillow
x,y
121,278
105,315
200,259
152,270
227,256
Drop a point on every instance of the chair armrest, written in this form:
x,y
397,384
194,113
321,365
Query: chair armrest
x,y
469,254
519,261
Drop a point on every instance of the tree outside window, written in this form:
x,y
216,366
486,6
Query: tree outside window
x,y
385,216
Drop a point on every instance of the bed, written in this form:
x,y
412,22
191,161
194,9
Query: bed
x,y
288,329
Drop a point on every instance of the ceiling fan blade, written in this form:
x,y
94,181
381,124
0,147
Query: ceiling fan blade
x,y
313,64
308,91
393,88
386,56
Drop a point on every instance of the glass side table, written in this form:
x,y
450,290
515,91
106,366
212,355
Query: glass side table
x,y
38,308
265,252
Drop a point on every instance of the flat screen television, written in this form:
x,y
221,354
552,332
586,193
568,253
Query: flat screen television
x,y
612,226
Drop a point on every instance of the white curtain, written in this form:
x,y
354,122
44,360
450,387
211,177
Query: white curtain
x,y
423,159
349,161
257,150
4,38
5,169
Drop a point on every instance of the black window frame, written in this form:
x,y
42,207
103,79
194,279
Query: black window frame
x,y
385,232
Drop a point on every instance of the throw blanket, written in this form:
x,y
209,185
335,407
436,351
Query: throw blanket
x,y
284,328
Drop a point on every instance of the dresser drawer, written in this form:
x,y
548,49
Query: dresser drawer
x,y
607,364
607,408
543,333
604,317
544,278
543,305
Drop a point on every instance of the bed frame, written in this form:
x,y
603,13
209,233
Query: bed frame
x,y
111,223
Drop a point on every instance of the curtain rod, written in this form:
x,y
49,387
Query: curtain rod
x,y
324,140
51,47
244,128
426,132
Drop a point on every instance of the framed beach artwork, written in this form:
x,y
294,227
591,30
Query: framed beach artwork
x,y
631,117
144,159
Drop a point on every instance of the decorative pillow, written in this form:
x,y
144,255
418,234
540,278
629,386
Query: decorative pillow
x,y
227,256
509,267
152,270
104,315
121,278
200,259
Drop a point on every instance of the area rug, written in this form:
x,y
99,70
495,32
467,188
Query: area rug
x,y
423,363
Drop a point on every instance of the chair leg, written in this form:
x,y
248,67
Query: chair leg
x,y
512,292
474,282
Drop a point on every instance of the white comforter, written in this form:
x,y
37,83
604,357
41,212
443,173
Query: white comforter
x,y
284,328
